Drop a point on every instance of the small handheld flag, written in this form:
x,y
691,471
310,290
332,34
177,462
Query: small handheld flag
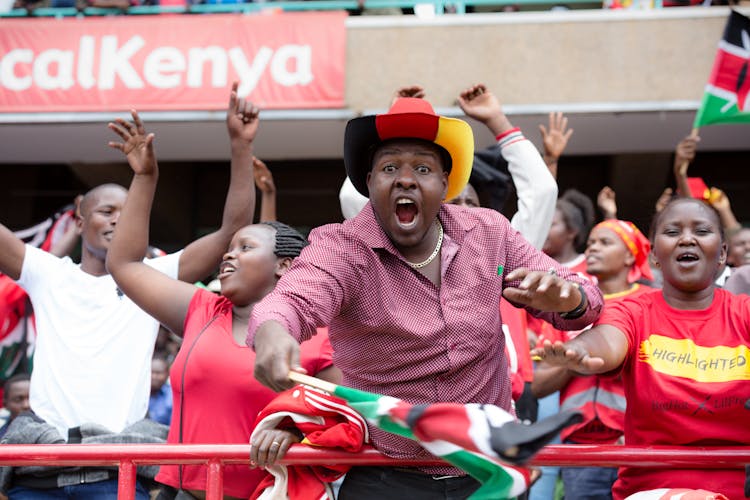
x,y
727,95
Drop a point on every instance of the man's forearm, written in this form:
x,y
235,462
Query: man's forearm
x,y
130,241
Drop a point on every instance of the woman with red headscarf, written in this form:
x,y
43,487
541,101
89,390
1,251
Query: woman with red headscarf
x,y
617,255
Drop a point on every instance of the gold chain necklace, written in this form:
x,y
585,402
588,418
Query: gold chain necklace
x,y
435,252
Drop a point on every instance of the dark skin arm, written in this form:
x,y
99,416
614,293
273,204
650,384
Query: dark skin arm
x,y
264,450
607,203
600,349
270,445
146,286
164,298
555,140
549,379
684,155
276,352
14,251
546,292
543,291
264,182
479,103
202,256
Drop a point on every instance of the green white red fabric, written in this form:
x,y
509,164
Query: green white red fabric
x,y
472,437
326,422
727,95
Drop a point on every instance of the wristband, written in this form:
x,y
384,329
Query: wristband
x,y
579,309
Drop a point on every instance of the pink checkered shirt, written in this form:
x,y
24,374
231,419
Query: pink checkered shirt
x,y
393,332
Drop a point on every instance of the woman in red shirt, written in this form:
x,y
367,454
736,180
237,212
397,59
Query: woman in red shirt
x,y
617,255
216,398
683,352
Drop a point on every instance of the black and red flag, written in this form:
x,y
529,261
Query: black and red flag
x,y
727,95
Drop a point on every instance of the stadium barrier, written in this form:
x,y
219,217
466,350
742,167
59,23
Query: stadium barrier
x,y
126,457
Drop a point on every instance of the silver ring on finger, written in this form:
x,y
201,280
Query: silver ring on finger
x,y
552,271
275,444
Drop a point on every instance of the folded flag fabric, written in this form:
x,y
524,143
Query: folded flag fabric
x,y
727,95
483,440
325,421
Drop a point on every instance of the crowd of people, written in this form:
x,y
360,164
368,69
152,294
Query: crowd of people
x,y
420,294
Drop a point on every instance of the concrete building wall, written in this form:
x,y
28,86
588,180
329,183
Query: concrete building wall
x,y
537,57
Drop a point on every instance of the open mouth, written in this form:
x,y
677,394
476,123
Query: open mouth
x,y
406,212
225,270
687,258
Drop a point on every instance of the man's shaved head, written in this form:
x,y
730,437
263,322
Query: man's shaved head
x,y
90,198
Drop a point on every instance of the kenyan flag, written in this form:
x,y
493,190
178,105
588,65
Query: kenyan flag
x,y
727,98
480,439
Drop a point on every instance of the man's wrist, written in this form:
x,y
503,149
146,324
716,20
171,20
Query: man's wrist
x,y
498,124
240,143
580,309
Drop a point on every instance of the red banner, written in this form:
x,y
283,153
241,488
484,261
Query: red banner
x,y
172,62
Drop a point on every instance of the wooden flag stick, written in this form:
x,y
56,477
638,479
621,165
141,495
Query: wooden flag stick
x,y
317,383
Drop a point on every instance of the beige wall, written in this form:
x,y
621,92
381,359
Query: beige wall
x,y
537,58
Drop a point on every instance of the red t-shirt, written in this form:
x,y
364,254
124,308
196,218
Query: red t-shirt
x,y
686,378
221,397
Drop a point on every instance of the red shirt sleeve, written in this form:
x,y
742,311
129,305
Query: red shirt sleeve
x,y
623,314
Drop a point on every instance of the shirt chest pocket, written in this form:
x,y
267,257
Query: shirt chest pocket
x,y
474,305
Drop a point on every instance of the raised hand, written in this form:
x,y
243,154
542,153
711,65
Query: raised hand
x,y
606,202
416,91
263,177
684,155
663,199
555,140
242,118
479,103
482,105
570,355
137,145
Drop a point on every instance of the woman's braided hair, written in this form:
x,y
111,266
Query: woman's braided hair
x,y
289,241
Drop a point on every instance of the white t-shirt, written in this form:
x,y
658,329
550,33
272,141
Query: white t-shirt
x,y
92,362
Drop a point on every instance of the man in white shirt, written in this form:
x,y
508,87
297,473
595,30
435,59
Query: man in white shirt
x,y
94,347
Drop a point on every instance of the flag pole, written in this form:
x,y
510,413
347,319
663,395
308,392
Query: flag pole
x,y
317,383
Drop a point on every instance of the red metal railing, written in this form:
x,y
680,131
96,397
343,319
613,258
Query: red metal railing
x,y
127,456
